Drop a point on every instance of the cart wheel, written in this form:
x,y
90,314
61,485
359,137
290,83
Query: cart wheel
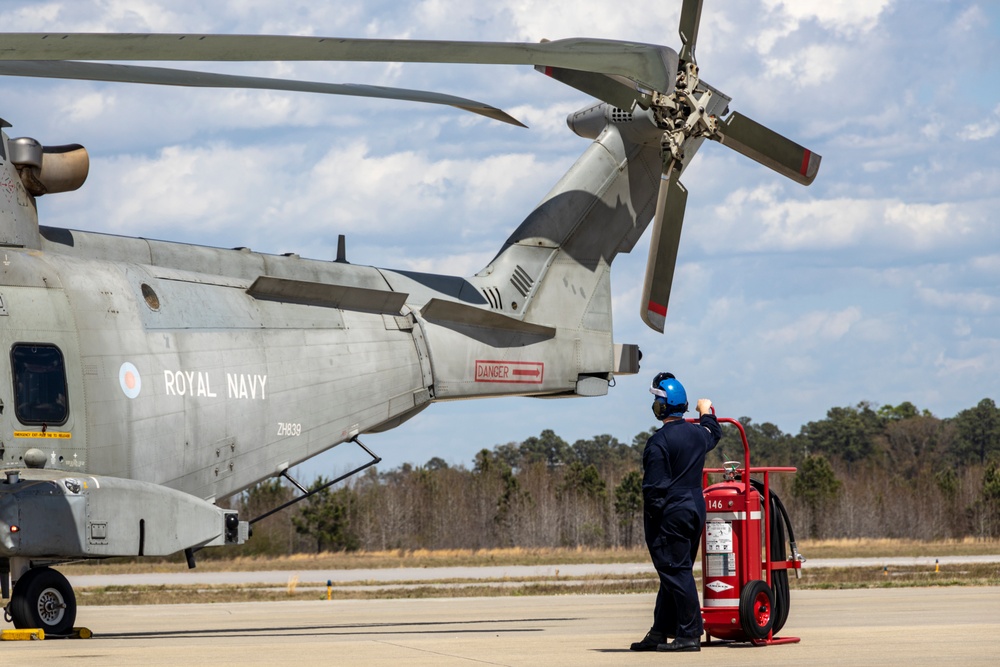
x,y
756,609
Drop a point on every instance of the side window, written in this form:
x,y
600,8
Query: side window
x,y
39,375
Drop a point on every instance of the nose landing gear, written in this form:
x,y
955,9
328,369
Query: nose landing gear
x,y
43,598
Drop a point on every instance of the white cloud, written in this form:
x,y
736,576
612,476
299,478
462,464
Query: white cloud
x,y
972,18
89,106
182,189
103,16
817,59
765,219
877,330
815,328
924,226
983,364
35,15
494,181
351,183
842,16
560,19
140,14
989,264
876,166
986,128
270,197
550,120
933,130
811,44
972,302
462,264
811,66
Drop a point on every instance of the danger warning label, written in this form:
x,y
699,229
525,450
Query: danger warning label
x,y
517,372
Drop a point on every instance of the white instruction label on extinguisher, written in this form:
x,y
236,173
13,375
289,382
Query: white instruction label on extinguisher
x,y
718,537
720,565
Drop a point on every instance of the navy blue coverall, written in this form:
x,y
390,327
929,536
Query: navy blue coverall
x,y
674,517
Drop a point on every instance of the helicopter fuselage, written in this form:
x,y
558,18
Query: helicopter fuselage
x,y
201,369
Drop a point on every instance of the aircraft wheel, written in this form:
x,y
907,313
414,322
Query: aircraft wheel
x,y
756,609
43,598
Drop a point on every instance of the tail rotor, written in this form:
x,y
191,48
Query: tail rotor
x,y
686,114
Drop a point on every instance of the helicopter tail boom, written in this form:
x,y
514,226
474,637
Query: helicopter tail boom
x,y
538,320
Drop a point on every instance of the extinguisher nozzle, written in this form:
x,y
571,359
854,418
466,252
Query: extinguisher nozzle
x,y
799,558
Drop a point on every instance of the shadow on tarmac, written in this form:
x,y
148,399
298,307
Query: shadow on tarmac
x,y
414,628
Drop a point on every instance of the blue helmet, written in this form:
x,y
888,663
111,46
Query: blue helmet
x,y
671,399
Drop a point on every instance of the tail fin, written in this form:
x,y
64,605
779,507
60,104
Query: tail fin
x,y
554,269
537,320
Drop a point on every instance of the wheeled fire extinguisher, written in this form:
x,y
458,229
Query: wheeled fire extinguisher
x,y
744,563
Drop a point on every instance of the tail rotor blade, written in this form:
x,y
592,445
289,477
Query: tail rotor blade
x,y
670,203
769,148
688,28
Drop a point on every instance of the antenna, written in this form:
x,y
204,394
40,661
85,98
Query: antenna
x,y
341,249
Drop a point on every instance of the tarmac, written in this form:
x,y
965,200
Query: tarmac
x,y
887,626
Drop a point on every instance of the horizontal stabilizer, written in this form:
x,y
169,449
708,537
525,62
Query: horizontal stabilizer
x,y
452,312
345,297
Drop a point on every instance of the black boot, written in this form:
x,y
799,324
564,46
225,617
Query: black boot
x,y
649,642
682,644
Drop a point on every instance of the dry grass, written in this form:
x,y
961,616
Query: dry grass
x,y
137,595
371,560
971,574
886,548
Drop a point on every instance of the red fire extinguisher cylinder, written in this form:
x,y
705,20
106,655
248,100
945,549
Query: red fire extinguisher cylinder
x,y
731,555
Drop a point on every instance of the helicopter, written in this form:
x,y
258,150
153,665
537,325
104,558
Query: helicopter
x,y
148,380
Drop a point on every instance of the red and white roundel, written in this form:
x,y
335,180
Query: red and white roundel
x,y
128,378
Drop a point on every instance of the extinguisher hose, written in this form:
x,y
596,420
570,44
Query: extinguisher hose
x,y
780,523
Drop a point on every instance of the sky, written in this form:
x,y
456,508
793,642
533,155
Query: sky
x,y
880,282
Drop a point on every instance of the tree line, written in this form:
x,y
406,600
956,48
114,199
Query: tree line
x,y
863,471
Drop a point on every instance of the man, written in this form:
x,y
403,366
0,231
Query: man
x,y
674,513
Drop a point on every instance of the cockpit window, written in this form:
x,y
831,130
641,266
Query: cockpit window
x,y
40,393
